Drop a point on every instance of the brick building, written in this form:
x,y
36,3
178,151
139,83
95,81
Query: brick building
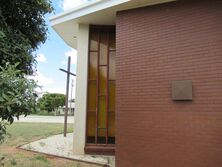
x,y
149,80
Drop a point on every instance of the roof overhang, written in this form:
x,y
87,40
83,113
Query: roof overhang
x,y
100,12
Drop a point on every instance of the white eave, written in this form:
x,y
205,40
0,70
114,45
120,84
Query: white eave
x,y
100,12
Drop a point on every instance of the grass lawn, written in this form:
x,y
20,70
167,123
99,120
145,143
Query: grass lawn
x,y
22,133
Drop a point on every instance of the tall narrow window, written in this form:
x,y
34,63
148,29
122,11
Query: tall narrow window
x,y
101,87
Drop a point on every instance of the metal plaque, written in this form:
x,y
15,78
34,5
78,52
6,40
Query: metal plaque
x,y
182,90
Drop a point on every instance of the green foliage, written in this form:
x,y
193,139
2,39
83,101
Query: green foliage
x,y
43,113
1,161
51,101
17,95
22,30
2,133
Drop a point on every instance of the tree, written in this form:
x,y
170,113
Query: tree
x,y
17,95
22,30
51,101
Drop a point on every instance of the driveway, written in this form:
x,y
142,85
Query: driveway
x,y
44,119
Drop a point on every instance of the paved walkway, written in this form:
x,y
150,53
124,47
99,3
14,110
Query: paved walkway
x,y
62,146
44,119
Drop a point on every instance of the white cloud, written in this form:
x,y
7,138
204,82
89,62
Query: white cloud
x,y
49,85
42,80
68,4
55,90
41,58
73,54
62,90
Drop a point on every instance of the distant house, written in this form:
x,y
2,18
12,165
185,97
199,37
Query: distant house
x,y
149,80
71,109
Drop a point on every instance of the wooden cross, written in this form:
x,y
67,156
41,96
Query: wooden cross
x,y
67,93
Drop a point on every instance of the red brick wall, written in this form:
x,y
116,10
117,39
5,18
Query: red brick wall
x,y
155,46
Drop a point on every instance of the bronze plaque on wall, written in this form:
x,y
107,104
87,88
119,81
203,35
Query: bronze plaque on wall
x,y
182,90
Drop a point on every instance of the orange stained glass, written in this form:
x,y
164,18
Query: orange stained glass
x,y
102,80
93,65
112,96
112,41
101,86
111,124
92,95
103,48
102,114
91,124
112,64
94,40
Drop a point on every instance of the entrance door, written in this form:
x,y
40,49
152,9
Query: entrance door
x,y
100,132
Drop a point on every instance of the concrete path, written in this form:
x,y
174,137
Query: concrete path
x,y
63,146
44,119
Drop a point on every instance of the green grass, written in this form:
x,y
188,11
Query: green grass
x,y
46,113
21,133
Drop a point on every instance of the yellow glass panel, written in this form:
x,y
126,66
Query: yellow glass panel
x,y
91,123
102,80
94,40
112,96
112,65
102,115
112,41
92,95
98,108
111,124
93,65
103,48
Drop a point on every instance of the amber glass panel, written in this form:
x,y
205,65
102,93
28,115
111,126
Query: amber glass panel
x,y
91,124
94,40
112,41
111,115
102,80
103,48
102,115
112,72
112,96
93,65
111,124
91,95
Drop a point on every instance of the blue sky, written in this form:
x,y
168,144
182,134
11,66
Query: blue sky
x,y
53,54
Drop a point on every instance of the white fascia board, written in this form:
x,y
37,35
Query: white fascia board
x,y
85,9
